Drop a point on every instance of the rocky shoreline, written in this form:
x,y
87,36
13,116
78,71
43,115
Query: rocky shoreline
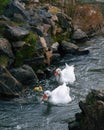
x,y
33,36
92,113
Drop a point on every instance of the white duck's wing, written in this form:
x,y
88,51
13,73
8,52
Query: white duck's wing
x,y
67,74
61,94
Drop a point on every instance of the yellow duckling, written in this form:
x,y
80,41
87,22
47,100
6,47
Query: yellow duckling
x,y
38,89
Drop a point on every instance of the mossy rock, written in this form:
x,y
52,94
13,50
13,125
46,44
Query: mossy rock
x,y
91,98
27,51
31,38
3,4
4,60
61,37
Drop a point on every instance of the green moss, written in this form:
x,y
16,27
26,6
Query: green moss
x,y
91,98
26,52
60,37
3,60
31,38
3,4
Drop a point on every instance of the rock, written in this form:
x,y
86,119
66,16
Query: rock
x,y
24,74
67,48
92,112
55,58
65,21
40,74
43,13
18,44
49,71
17,18
6,50
37,30
26,1
9,86
79,35
36,62
15,7
2,17
70,48
55,47
35,21
82,52
15,33
73,126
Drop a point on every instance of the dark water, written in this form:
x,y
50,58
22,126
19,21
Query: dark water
x,y
28,114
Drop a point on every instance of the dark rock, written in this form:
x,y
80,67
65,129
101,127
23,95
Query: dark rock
x,y
25,75
5,48
9,86
6,92
36,62
8,97
82,106
4,18
46,8
37,31
18,44
17,18
15,7
70,48
48,71
79,35
67,48
97,94
35,21
40,74
15,33
92,112
82,52
43,13
65,21
55,58
73,126
27,1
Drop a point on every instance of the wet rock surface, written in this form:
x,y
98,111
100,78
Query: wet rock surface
x,y
92,113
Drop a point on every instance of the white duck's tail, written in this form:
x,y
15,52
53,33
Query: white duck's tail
x,y
71,67
66,65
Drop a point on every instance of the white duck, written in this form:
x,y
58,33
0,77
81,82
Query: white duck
x,y
66,75
60,95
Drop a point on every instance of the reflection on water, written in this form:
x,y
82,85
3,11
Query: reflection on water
x,y
29,113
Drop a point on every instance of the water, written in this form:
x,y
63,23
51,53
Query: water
x,y
29,114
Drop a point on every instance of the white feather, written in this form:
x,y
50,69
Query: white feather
x,y
60,95
67,75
